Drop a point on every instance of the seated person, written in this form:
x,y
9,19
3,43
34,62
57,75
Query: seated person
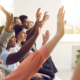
x,y
50,71
1,28
20,33
36,59
8,58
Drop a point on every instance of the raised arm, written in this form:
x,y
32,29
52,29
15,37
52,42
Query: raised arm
x,y
7,32
60,31
9,19
36,60
14,57
38,17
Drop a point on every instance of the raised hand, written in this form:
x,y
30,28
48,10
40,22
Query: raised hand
x,y
60,22
45,17
38,26
45,37
9,19
38,14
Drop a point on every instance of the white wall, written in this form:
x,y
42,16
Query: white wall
x,y
62,54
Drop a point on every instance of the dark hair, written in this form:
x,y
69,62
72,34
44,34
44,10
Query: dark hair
x,y
22,17
18,28
15,19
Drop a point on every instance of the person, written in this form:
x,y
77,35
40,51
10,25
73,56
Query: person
x,y
20,34
7,32
36,59
16,21
31,24
10,56
25,21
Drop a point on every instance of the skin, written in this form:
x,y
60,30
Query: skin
x,y
18,21
11,43
0,69
26,22
9,19
45,37
21,36
50,46
31,24
30,40
38,17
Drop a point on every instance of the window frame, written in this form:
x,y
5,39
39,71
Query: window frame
x,y
70,37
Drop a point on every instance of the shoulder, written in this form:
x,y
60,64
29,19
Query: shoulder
x,y
4,54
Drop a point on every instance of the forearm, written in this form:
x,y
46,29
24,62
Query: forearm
x,y
34,60
28,45
30,34
52,43
4,38
43,43
22,52
76,75
8,27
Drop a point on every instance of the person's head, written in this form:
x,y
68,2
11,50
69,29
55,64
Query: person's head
x,y
11,42
31,24
25,21
20,32
16,21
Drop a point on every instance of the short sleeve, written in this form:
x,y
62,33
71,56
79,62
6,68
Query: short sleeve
x,y
3,57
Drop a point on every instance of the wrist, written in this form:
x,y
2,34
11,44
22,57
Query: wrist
x,y
36,35
43,43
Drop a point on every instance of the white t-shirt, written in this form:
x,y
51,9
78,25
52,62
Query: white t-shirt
x,y
15,49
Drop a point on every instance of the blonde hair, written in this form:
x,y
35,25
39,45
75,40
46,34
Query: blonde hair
x,y
31,22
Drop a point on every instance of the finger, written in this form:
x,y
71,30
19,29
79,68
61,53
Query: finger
x,y
40,14
12,15
41,76
63,14
59,11
45,13
62,8
43,35
47,32
38,10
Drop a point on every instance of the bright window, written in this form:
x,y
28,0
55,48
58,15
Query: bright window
x,y
72,15
8,5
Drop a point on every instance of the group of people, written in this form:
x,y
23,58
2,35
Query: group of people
x,y
18,47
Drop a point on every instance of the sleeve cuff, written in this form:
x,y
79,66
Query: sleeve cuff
x,y
7,34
